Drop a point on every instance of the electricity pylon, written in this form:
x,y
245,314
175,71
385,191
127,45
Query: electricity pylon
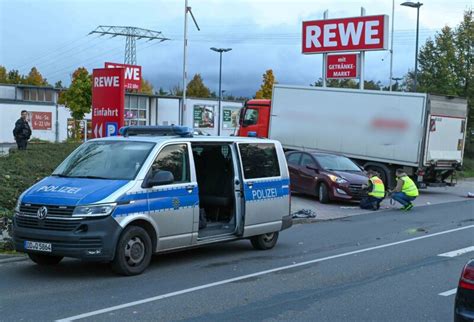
x,y
131,34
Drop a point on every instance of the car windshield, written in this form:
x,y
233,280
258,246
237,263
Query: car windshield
x,y
336,163
114,160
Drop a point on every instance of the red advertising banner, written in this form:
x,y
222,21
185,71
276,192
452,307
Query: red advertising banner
x,y
342,66
108,98
41,120
345,34
133,75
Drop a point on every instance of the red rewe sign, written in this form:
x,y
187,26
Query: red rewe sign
x,y
108,98
342,66
41,120
345,34
133,75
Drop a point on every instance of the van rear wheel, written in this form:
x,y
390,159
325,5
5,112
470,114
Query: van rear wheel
x,y
133,253
45,260
264,241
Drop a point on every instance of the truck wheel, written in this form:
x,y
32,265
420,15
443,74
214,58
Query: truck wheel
x,y
133,253
323,193
45,260
264,241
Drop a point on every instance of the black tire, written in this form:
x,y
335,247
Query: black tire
x,y
133,252
45,260
323,193
264,241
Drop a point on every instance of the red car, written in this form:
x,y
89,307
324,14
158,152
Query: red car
x,y
327,176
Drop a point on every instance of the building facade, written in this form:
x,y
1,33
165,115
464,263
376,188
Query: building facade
x,y
52,122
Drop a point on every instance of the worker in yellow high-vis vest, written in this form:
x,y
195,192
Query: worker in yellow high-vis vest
x,y
375,192
405,191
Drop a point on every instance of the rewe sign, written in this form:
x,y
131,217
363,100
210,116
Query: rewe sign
x,y
133,75
108,98
342,66
345,34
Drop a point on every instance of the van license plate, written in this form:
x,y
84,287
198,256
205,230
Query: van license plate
x,y
39,246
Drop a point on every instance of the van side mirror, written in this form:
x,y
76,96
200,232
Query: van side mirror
x,y
160,178
312,167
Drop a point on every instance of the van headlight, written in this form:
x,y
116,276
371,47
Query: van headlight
x,y
99,210
18,204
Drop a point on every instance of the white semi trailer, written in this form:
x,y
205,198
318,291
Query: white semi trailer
x,y
421,133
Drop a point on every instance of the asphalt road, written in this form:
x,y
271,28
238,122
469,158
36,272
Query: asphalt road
x,y
377,266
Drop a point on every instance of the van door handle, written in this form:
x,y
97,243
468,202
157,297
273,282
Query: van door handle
x,y
250,185
190,188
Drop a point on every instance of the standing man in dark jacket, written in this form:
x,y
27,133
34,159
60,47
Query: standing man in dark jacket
x,y
22,131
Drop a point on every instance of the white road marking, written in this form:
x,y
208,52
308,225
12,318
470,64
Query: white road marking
x,y
244,277
449,293
458,252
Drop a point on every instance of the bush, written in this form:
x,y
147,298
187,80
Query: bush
x,y
21,169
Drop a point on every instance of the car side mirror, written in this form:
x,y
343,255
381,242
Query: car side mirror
x,y
160,178
311,167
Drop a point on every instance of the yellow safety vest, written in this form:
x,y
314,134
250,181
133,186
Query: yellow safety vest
x,y
378,188
409,187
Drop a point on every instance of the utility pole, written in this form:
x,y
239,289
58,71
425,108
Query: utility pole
x,y
391,46
416,5
131,34
185,46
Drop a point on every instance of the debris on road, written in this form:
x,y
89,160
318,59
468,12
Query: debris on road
x,y
304,213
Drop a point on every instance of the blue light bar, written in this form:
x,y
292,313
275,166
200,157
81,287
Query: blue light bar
x,y
157,130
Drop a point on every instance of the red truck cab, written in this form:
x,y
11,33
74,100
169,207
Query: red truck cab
x,y
255,118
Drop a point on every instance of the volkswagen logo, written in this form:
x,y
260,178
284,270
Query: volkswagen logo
x,y
42,212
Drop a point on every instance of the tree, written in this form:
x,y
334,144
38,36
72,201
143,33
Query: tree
x,y
446,68
176,90
196,87
162,92
58,84
3,75
78,97
14,77
147,88
35,78
348,83
266,88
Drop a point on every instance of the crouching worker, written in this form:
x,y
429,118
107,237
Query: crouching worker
x,y
405,191
375,192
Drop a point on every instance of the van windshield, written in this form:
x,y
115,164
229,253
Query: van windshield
x,y
114,160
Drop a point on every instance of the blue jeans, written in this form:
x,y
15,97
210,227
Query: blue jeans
x,y
402,198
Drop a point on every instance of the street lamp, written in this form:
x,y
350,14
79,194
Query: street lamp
x,y
220,51
416,5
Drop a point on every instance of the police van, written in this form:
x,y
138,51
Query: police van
x,y
153,190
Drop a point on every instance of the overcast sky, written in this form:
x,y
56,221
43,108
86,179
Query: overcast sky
x,y
52,35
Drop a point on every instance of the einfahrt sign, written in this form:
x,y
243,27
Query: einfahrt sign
x,y
342,66
345,34
133,75
108,98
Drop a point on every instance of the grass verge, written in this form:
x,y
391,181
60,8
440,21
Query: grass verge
x,y
21,169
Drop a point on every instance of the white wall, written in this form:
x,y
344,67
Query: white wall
x,y
168,111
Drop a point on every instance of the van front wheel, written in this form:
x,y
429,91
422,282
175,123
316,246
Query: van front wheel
x,y
264,241
133,253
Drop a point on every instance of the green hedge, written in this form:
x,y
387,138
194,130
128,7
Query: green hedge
x,y
21,169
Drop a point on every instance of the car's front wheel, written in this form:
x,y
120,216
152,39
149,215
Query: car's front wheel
x,y
264,241
134,251
323,193
45,260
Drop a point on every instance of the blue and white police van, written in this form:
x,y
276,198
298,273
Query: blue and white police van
x,y
155,189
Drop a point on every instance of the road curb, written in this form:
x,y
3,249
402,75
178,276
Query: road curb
x,y
10,259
